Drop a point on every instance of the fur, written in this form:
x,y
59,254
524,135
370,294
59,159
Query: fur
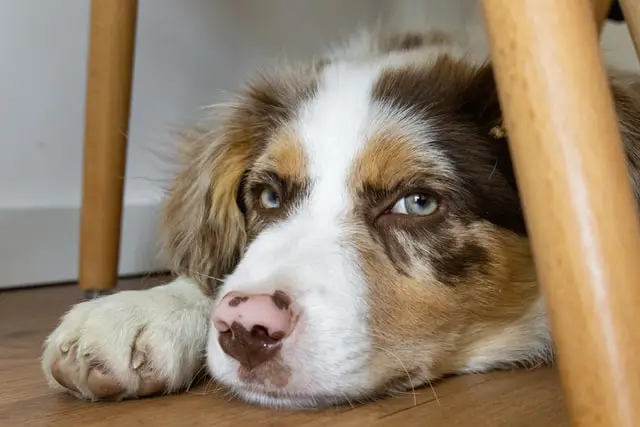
x,y
389,300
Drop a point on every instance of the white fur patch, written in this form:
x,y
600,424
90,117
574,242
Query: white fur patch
x,y
310,257
305,256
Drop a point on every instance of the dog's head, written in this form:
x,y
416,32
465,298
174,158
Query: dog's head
x,y
359,221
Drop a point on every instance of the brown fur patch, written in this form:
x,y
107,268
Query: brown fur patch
x,y
458,103
285,156
426,324
391,159
423,324
420,323
434,279
273,373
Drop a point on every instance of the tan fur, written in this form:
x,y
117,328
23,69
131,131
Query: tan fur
x,y
284,156
415,320
204,229
389,158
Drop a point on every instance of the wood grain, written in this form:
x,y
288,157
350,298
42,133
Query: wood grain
x,y
109,76
501,399
601,11
577,196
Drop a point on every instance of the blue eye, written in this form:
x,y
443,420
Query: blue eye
x,y
416,204
269,198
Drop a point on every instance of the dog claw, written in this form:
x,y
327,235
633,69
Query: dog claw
x,y
138,359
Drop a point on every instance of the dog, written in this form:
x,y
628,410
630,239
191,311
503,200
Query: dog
x,y
346,228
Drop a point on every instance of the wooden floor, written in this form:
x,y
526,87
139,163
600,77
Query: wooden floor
x,y
509,399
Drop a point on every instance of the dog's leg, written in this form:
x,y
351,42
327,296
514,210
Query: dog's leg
x,y
130,344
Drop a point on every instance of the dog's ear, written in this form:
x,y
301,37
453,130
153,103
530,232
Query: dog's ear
x,y
203,225
482,103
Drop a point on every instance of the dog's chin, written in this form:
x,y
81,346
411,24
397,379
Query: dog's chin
x,y
281,399
293,397
319,399
285,400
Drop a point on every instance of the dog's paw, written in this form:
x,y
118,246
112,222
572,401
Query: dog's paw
x,y
127,345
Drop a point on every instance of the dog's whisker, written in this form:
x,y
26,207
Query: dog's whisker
x,y
433,390
196,376
415,399
217,279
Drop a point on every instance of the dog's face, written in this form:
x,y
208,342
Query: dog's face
x,y
375,196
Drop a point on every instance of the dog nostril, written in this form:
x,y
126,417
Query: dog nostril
x,y
260,332
250,348
221,325
277,335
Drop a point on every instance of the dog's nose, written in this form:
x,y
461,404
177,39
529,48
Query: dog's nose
x,y
252,326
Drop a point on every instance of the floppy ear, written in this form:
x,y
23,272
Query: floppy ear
x,y
481,102
203,226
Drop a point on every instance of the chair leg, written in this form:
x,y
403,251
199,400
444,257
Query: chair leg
x,y
578,202
631,12
601,10
109,76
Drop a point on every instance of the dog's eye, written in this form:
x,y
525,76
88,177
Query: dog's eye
x,y
269,198
416,204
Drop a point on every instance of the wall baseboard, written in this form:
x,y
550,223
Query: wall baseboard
x,y
39,245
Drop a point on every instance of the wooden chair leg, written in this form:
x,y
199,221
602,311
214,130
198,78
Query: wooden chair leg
x,y
578,201
601,11
631,12
109,76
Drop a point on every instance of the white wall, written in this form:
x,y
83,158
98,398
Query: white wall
x,y
615,41
189,53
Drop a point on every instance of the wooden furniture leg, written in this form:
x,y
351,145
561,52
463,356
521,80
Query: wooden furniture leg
x,y
109,76
578,202
631,12
601,11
